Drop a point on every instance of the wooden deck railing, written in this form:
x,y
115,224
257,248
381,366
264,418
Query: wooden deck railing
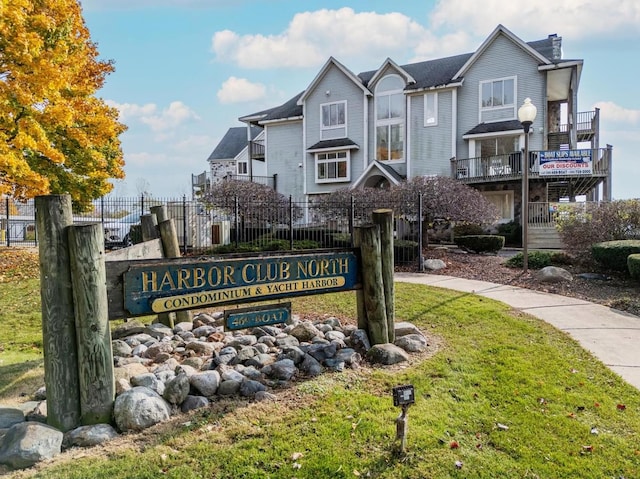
x,y
508,167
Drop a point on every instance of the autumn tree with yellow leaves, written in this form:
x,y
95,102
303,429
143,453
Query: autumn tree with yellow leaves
x,y
56,136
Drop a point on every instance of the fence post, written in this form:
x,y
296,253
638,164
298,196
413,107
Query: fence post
x,y
384,219
290,222
8,229
275,181
352,221
95,357
184,224
237,219
141,204
58,319
420,223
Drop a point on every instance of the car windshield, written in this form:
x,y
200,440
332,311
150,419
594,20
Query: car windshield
x,y
130,218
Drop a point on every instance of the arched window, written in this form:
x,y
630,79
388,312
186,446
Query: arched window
x,y
390,118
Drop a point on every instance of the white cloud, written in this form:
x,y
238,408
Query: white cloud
x,y
616,113
236,90
311,37
172,116
132,110
573,18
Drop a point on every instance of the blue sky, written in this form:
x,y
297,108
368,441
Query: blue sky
x,y
187,69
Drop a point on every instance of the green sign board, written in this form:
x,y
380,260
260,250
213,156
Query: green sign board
x,y
172,285
243,318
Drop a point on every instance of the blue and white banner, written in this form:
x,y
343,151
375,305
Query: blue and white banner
x,y
566,162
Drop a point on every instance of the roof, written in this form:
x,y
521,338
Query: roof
x,y
336,143
495,127
426,74
289,109
232,143
385,170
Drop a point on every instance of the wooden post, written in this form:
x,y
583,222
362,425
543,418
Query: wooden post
x,y
360,309
95,358
53,217
373,289
149,227
171,248
384,219
161,212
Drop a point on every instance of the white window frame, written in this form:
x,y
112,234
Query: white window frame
x,y
319,160
389,122
246,167
337,125
431,120
505,196
503,106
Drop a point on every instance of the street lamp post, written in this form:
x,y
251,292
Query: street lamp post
x,y
526,115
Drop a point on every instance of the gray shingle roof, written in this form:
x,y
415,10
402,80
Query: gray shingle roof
x,y
430,73
495,127
232,143
337,143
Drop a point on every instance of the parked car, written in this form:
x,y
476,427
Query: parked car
x,y
117,232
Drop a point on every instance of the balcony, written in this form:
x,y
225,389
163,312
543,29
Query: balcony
x,y
587,125
507,168
257,150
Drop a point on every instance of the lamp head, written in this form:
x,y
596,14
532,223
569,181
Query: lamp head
x,y
527,113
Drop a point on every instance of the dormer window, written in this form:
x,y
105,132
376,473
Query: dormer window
x,y
390,118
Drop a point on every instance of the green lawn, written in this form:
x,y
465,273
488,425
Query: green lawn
x,y
505,394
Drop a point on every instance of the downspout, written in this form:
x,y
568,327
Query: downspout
x,y
249,157
454,122
365,158
408,133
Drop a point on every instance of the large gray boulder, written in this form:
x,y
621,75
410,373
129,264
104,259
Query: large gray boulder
x,y
10,416
27,443
206,382
140,408
177,389
87,436
387,354
553,274
434,264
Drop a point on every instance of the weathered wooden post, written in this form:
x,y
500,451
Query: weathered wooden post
x,y
149,227
360,309
171,248
95,357
372,283
384,219
53,217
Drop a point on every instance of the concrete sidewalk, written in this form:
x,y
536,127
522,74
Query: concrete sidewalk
x,y
612,336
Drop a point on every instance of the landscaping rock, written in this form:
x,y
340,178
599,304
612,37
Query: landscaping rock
x,y
140,408
10,416
387,354
87,436
412,343
434,264
553,274
27,443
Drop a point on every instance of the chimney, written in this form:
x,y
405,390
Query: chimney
x,y
556,46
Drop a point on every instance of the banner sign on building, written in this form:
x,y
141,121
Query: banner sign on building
x,y
173,285
566,162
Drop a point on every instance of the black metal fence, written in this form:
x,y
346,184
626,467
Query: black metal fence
x,y
238,225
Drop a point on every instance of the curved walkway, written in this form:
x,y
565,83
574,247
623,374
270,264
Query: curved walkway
x,y
612,336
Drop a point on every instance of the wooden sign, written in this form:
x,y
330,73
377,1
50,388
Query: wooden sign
x,y
181,284
243,318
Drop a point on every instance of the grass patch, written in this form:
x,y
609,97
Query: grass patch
x,y
494,367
